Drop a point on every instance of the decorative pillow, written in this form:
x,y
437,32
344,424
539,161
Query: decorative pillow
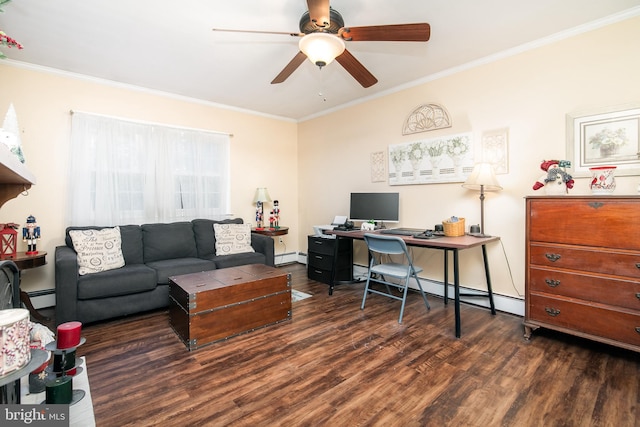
x,y
98,250
232,238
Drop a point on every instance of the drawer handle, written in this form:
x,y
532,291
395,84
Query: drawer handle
x,y
596,205
552,311
317,242
319,257
637,264
638,295
553,257
638,329
552,283
318,271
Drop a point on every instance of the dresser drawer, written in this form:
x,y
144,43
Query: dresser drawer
x,y
606,290
598,320
596,260
586,221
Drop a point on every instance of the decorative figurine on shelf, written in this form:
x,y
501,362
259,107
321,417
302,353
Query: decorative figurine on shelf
x,y
30,234
276,214
557,180
271,220
258,215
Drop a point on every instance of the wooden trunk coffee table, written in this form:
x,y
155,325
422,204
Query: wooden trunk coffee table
x,y
215,305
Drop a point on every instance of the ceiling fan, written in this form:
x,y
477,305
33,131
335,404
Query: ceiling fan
x,y
323,37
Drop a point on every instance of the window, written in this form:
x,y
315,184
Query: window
x,y
124,172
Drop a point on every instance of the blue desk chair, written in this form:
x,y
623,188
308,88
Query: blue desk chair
x,y
380,245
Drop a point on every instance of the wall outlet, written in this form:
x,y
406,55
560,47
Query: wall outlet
x,y
279,239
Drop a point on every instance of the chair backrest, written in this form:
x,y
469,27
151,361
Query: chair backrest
x,y
9,276
386,244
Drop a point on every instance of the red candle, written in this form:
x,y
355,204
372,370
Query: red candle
x,y
68,335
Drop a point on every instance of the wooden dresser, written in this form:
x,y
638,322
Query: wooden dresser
x,y
583,267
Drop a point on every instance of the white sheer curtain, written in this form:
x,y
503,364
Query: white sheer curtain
x,y
124,172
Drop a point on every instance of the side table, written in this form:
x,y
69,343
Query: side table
x,y
268,231
25,262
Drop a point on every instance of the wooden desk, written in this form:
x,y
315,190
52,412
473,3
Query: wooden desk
x,y
267,231
447,244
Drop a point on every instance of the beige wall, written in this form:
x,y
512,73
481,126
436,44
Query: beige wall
x,y
263,149
529,93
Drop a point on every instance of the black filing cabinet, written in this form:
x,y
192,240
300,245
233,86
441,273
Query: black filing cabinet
x,y
330,260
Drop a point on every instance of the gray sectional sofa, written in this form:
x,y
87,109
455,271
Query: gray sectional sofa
x,y
152,253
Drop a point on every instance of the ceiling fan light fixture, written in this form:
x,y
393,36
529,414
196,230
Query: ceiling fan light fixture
x,y
321,48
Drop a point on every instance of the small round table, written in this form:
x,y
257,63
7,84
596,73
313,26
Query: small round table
x,y
268,231
26,261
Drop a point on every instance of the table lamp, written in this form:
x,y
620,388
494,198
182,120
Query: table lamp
x,y
261,196
482,178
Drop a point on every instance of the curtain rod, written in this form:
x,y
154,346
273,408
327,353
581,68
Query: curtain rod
x,y
72,112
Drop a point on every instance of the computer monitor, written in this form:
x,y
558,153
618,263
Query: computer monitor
x,y
379,207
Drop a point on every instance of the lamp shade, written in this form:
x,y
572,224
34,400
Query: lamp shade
x,y
262,195
321,48
482,178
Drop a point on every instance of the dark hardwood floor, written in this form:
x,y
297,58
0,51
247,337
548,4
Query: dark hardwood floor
x,y
336,365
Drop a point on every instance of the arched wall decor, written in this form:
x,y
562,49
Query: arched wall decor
x,y
426,117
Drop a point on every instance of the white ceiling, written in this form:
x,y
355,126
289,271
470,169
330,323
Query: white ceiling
x,y
169,46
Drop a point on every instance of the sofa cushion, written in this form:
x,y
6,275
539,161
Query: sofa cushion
x,y
168,241
175,267
205,236
232,239
98,250
127,280
131,236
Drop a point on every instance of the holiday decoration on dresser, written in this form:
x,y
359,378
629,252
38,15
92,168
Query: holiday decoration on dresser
x,y
603,179
30,234
557,180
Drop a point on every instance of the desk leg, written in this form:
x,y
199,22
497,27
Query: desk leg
x,y
486,272
456,285
446,276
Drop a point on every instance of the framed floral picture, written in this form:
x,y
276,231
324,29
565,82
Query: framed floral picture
x,y
605,138
431,161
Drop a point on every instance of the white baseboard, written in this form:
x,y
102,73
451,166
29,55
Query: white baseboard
x,y
286,258
503,303
43,299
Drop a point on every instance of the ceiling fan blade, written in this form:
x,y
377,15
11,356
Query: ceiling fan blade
x,y
356,69
319,12
388,33
259,32
290,68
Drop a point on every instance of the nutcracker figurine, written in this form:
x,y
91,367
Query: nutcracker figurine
x,y
276,214
259,215
31,233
